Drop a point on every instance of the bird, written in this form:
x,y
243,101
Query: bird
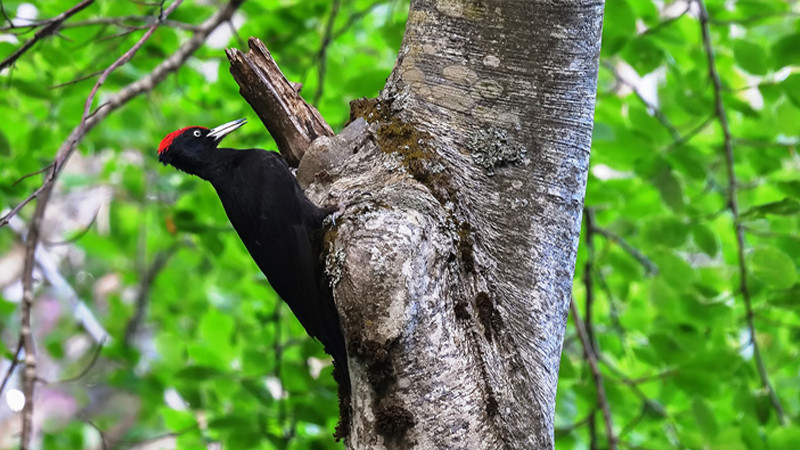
x,y
278,224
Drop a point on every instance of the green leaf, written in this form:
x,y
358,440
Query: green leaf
x,y
785,51
791,188
177,420
705,418
644,55
670,188
216,328
32,89
786,298
791,86
773,267
668,231
751,57
674,269
617,27
197,372
784,438
5,146
7,308
787,118
751,436
705,239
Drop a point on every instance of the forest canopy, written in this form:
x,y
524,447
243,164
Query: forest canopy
x,y
152,323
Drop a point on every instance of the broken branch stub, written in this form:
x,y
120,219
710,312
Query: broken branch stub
x,y
292,122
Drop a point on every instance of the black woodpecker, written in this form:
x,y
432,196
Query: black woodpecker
x,y
274,219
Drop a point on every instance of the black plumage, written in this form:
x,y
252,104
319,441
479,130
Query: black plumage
x,y
277,223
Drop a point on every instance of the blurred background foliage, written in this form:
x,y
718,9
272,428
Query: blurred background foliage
x,y
202,351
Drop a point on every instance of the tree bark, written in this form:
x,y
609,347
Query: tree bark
x,y
461,193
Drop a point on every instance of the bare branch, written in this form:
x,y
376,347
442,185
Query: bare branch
x,y
26,335
50,27
588,268
733,206
322,59
591,358
100,432
124,59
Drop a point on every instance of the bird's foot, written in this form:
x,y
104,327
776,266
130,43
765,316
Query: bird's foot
x,y
336,212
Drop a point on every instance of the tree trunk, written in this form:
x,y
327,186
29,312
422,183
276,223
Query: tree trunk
x,y
461,193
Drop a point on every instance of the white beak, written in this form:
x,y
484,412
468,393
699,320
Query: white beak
x,y
217,133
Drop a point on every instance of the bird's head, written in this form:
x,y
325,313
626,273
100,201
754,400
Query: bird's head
x,y
192,148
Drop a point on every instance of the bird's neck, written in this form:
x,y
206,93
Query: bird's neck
x,y
209,164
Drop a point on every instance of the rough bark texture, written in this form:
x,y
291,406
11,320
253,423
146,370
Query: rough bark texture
x,y
292,122
461,189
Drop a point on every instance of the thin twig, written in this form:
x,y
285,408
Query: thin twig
x,y
588,284
689,135
771,321
355,17
143,295
49,28
99,431
665,23
14,362
77,236
88,367
28,175
125,58
591,358
76,80
657,113
733,205
132,444
573,426
322,59
5,16
649,266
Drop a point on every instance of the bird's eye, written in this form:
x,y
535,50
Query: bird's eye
x,y
196,133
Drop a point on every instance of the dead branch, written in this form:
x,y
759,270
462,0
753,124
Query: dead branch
x,y
292,122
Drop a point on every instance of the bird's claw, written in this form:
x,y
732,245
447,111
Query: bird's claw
x,y
335,214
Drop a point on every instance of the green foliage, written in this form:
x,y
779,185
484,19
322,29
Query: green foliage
x,y
668,316
674,345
